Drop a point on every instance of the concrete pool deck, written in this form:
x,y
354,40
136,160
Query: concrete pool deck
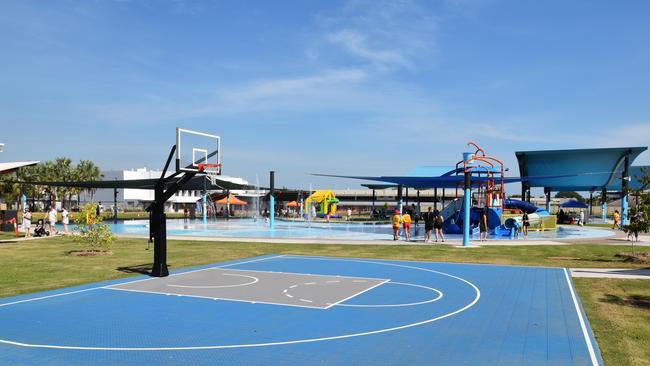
x,y
619,239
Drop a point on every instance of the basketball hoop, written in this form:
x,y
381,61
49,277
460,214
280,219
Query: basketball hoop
x,y
211,171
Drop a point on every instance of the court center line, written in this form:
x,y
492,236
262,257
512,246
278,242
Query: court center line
x,y
585,333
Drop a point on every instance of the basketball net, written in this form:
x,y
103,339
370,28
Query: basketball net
x,y
211,171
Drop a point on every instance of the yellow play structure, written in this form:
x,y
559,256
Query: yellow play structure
x,y
325,200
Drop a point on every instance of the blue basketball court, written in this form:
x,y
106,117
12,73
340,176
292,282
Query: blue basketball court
x,y
298,310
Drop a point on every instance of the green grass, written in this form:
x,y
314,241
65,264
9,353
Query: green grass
x,y
621,328
4,235
43,264
623,332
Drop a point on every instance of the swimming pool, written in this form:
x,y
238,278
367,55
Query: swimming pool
x,y
249,228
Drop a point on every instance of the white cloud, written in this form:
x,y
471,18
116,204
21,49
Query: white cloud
x,y
290,86
384,34
357,44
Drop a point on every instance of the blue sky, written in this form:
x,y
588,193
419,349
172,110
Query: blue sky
x,y
350,87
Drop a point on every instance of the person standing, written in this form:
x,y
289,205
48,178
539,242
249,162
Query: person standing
x,y
349,218
406,222
525,223
65,220
439,220
617,218
483,225
27,222
428,225
582,218
397,220
51,219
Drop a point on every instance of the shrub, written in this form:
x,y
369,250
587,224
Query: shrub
x,y
92,233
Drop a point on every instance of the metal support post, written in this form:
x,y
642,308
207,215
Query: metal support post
x,y
272,199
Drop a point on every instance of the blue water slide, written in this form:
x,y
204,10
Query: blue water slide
x,y
523,206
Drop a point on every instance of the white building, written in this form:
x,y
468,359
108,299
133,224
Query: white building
x,y
135,199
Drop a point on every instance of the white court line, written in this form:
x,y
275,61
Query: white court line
x,y
122,283
296,273
50,296
255,280
440,296
590,347
305,300
279,343
195,270
357,294
213,298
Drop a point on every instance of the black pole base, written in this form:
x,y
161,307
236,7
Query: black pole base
x,y
159,270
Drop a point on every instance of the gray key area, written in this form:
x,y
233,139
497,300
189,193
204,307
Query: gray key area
x,y
290,289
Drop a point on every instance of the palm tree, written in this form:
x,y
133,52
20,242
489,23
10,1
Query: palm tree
x,y
62,173
9,190
88,171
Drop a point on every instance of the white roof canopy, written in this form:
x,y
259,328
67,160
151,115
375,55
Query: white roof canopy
x,y
6,168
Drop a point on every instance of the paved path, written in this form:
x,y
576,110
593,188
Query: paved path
x,y
449,242
619,273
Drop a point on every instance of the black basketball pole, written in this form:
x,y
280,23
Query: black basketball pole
x,y
164,190
158,221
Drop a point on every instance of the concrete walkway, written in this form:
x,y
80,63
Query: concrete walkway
x,y
618,273
389,241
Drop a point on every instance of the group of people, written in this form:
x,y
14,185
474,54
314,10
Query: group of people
x,y
50,220
433,223
433,220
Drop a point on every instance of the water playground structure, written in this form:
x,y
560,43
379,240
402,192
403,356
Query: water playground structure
x,y
481,177
484,175
323,202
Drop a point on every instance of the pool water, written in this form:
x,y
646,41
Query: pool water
x,y
249,228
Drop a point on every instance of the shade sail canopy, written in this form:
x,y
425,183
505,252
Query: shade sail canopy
x,y
579,169
285,195
445,181
378,186
230,199
195,183
573,204
293,204
636,179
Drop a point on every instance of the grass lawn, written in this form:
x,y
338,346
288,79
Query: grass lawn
x,y
4,235
619,313
623,331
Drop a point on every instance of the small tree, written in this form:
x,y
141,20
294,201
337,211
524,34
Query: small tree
x,y
640,215
92,232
